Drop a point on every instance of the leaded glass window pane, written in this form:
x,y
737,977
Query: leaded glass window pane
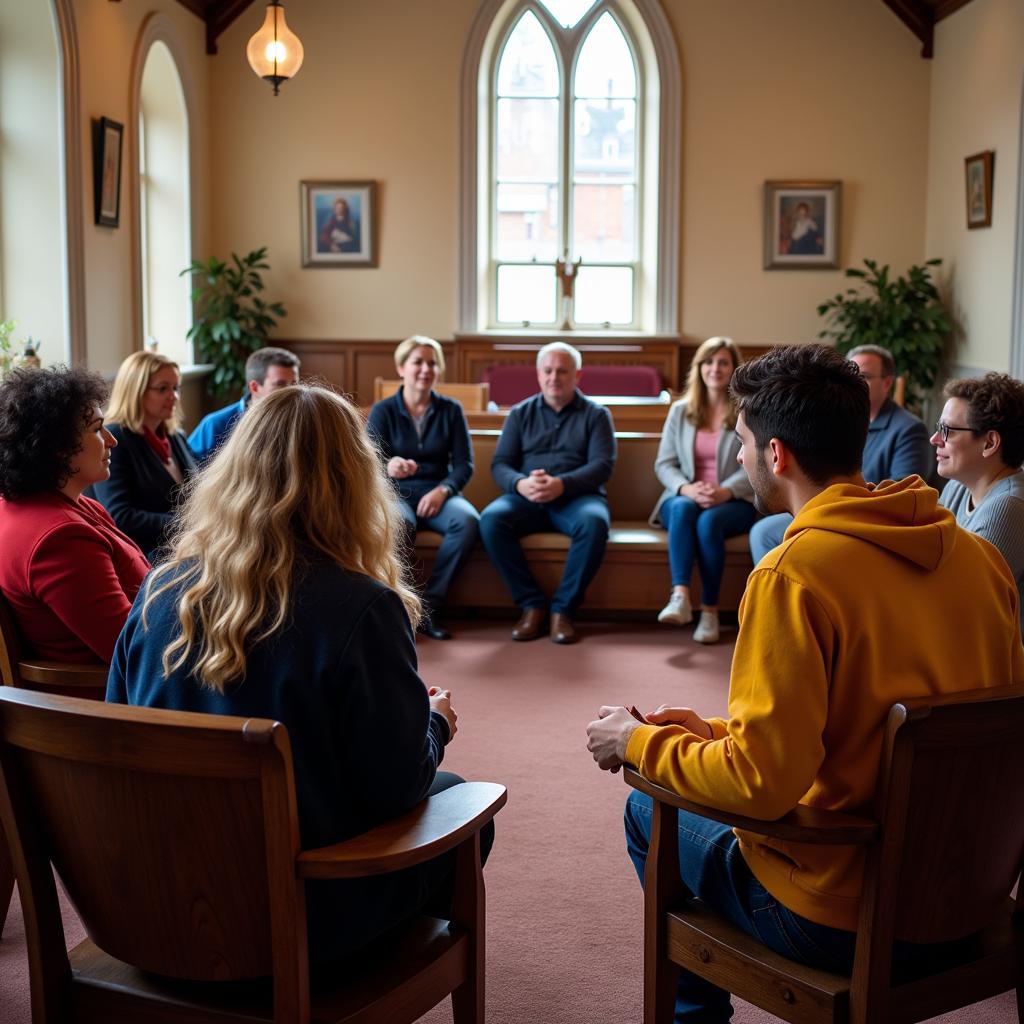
x,y
528,66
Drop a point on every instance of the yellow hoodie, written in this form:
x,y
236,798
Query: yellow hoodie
x,y
875,595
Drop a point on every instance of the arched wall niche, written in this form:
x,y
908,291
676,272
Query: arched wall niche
x,y
157,28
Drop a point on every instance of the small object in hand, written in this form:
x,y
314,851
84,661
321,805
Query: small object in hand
x,y
636,714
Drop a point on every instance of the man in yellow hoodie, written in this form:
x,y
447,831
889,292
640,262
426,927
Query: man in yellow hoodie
x,y
869,600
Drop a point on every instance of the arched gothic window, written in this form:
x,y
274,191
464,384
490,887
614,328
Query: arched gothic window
x,y
570,214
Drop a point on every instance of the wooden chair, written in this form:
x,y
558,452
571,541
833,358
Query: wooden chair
x,y
944,847
176,837
33,674
472,397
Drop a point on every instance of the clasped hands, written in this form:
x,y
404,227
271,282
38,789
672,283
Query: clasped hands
x,y
608,735
705,494
540,487
441,702
431,502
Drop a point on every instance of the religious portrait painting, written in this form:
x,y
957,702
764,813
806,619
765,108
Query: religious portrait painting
x,y
801,224
978,176
339,222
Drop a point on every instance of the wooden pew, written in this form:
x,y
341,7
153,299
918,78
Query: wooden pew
x,y
634,576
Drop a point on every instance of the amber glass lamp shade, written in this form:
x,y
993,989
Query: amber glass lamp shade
x,y
274,52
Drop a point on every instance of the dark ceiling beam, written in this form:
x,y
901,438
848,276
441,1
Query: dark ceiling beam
x,y
919,18
219,15
944,8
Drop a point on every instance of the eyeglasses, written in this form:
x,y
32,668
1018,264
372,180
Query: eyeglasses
x,y
165,389
944,430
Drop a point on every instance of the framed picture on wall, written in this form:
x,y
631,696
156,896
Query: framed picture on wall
x,y
801,225
978,178
339,223
107,139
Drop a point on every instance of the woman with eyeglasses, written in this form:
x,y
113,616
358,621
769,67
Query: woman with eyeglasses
x,y
152,459
979,448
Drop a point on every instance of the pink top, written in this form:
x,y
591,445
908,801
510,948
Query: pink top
x,y
705,457
69,574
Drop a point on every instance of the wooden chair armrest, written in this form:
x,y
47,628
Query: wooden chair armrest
x,y
59,673
432,827
802,824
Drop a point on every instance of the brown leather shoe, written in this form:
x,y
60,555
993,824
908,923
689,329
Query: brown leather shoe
x,y
530,624
562,629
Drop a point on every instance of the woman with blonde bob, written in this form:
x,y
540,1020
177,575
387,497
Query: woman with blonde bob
x,y
152,459
425,444
282,597
707,495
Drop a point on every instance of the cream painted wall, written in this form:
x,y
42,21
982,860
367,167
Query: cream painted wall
x,y
107,36
377,98
977,77
791,89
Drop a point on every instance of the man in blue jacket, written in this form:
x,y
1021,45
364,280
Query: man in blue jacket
x,y
897,444
554,455
266,370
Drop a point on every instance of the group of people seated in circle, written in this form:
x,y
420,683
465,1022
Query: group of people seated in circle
x,y
280,534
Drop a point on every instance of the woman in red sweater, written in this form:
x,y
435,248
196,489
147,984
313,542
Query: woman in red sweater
x,y
68,573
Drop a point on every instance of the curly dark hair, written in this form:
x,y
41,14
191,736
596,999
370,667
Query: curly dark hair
x,y
42,415
994,402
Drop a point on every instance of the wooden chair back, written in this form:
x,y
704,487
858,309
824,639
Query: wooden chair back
x,y
69,679
951,806
472,397
189,816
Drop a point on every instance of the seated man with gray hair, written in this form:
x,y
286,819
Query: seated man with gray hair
x,y
897,444
555,453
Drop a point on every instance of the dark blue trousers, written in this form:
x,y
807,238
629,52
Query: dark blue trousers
x,y
584,520
458,523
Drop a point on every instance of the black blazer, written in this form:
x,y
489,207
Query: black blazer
x,y
141,495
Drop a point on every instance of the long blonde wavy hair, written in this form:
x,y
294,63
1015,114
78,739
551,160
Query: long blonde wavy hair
x,y
129,390
297,478
696,396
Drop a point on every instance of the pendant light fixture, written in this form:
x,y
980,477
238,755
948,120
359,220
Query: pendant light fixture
x,y
275,52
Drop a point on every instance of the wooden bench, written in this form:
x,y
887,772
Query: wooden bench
x,y
634,576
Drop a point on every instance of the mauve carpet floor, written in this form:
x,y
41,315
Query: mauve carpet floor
x,y
563,904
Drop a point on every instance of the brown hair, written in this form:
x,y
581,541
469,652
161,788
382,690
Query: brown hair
x,y
696,396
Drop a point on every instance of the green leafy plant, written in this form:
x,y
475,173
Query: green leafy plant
x,y
8,350
906,315
231,320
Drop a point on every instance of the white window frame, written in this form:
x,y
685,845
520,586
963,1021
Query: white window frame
x,y
656,281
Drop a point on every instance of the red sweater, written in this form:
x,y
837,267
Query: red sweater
x,y
69,574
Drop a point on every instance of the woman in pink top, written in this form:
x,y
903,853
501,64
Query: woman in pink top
x,y
68,573
707,495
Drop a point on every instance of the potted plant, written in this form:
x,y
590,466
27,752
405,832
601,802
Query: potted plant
x,y
7,348
904,314
231,320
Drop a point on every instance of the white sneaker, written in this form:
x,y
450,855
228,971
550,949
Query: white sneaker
x,y
678,611
707,629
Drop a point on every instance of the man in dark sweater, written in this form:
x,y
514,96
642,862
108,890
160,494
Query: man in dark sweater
x,y
554,455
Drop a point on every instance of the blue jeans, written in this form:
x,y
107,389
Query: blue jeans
x,y
458,522
713,869
768,534
584,519
701,532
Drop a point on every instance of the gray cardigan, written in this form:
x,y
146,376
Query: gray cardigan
x,y
674,465
999,519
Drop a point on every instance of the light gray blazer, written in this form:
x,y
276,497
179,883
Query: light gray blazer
x,y
674,465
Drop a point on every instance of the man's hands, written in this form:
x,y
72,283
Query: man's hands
x,y
431,502
705,494
441,702
540,487
399,468
686,717
608,736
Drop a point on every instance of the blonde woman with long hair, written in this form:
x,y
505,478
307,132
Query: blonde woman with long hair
x,y
707,495
282,596
152,460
